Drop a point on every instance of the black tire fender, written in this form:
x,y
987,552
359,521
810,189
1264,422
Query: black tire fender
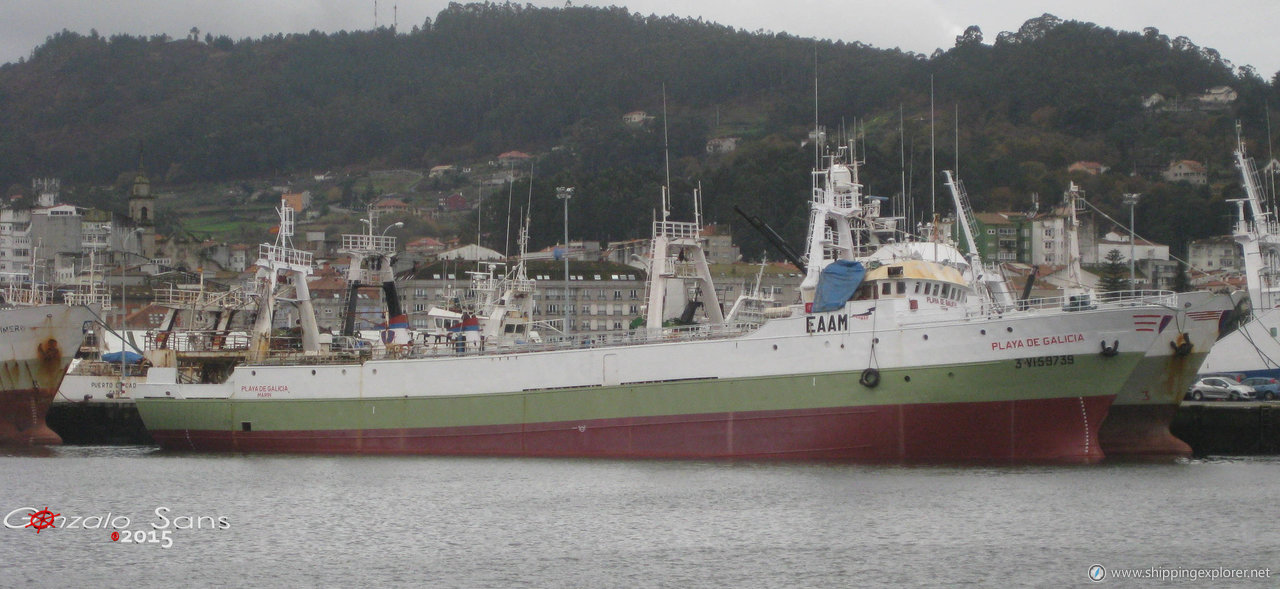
x,y
870,378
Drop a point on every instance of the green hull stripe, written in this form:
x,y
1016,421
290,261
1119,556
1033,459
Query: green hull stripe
x,y
989,382
1160,380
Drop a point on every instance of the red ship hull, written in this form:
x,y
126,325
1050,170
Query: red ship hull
x,y
22,414
1141,430
1060,429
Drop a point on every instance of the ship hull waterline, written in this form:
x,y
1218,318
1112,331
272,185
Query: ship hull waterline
x,y
22,417
36,346
1139,419
827,416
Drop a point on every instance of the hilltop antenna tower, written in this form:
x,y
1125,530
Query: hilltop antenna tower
x,y
902,163
666,150
817,147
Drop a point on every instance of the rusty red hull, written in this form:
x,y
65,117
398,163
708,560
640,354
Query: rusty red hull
x,y
1031,430
36,347
1141,430
22,418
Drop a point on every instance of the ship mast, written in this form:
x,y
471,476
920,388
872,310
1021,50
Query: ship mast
x,y
1259,238
278,266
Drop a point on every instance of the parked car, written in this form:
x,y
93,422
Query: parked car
x,y
1217,387
1265,387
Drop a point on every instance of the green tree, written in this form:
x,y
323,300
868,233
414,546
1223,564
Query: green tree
x,y
1112,277
1181,282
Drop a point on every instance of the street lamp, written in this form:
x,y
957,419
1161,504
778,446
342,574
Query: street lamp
x,y
1131,199
564,194
396,224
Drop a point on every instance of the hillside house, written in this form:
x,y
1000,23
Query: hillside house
x,y
1091,168
471,252
1142,249
1003,237
425,245
454,203
298,201
722,144
717,244
636,118
1189,171
392,205
513,158
1218,96
1215,253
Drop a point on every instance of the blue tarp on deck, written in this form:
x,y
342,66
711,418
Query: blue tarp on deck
x,y
129,357
837,284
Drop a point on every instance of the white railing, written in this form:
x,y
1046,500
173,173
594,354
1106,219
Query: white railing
x,y
1271,228
384,244
101,299
683,269
176,296
274,255
430,346
185,297
883,224
675,229
196,341
844,200
26,297
1102,300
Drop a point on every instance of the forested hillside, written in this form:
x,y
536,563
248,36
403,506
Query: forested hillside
x,y
481,79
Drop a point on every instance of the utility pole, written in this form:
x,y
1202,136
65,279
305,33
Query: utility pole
x,y
1131,199
565,193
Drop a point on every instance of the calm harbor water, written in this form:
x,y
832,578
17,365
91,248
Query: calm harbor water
x,y
496,522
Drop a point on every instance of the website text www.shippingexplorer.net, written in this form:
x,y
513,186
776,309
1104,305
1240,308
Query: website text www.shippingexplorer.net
x,y
1099,573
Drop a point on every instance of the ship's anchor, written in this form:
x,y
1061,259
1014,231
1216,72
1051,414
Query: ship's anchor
x,y
1113,350
1182,346
870,378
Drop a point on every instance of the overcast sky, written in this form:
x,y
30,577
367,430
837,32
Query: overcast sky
x,y
1243,31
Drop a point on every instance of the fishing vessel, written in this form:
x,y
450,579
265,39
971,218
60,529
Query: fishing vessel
x,y
37,344
888,360
1254,348
1186,332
